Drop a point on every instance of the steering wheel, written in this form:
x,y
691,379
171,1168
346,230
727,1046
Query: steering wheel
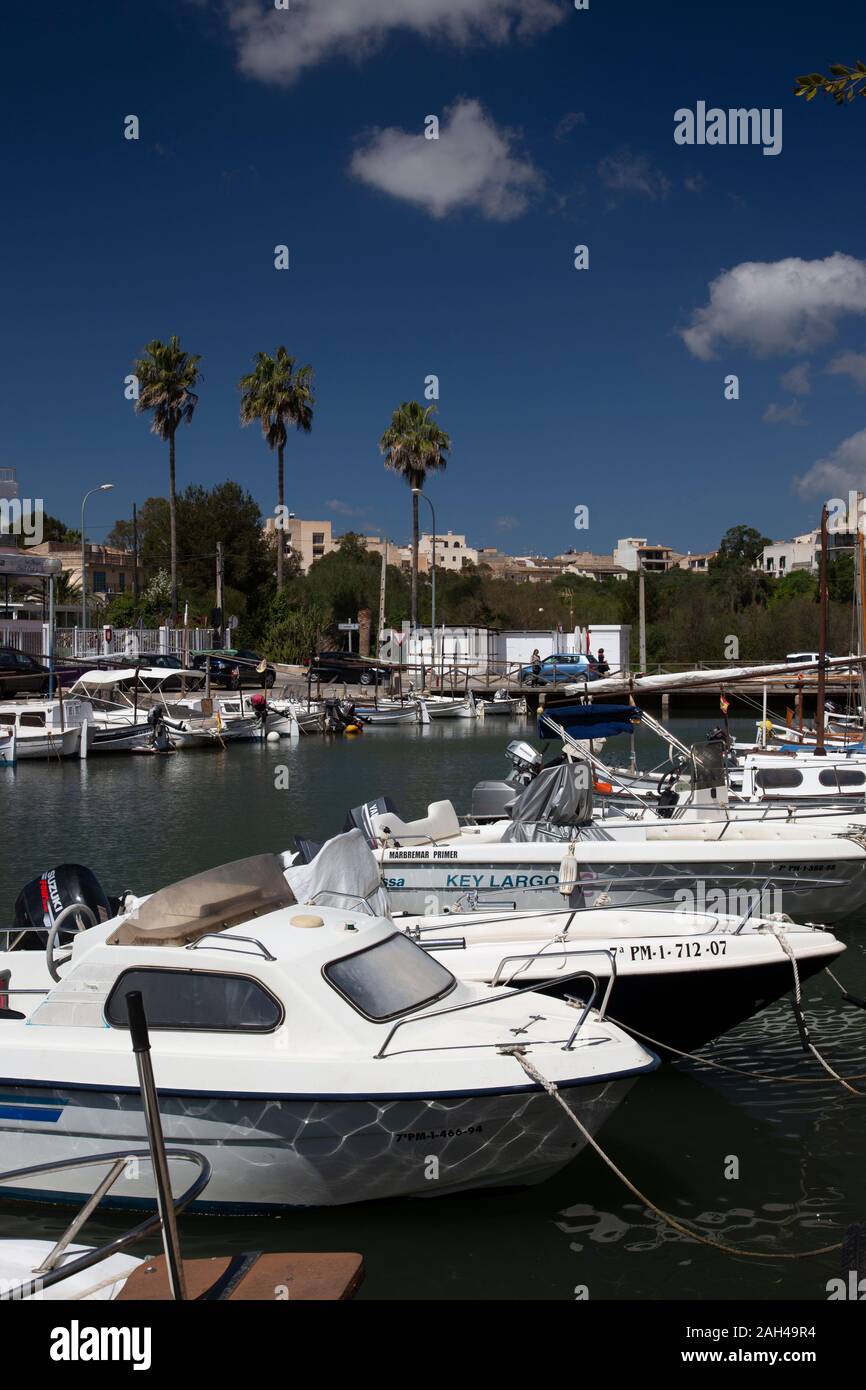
x,y
55,958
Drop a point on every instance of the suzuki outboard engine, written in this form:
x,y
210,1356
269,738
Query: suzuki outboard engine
x,y
41,902
493,800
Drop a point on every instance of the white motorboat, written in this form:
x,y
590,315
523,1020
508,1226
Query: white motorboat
x,y
443,707
44,728
680,977
315,1058
550,853
502,704
7,749
373,717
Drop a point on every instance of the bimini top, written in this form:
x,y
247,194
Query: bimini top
x,y
207,902
589,721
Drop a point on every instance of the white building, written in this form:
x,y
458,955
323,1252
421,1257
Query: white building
x,y
634,553
799,553
452,552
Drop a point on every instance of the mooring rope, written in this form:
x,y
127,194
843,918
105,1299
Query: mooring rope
x,y
517,1051
778,932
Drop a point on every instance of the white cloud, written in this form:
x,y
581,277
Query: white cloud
x,y
842,470
796,380
625,172
570,121
776,307
278,45
506,523
783,414
343,508
471,165
851,364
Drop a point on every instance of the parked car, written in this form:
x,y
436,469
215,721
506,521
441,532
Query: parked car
x,y
160,659
347,668
233,668
560,667
21,674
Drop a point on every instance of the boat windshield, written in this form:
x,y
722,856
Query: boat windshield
x,y
207,902
393,977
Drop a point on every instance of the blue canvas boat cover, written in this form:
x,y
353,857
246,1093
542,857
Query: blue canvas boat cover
x,y
590,721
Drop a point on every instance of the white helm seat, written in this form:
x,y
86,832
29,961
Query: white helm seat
x,y
440,823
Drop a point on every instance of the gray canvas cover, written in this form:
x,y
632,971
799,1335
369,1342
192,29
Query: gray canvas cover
x,y
554,806
343,874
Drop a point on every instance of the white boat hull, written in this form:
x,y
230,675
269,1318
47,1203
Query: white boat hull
x,y
270,1152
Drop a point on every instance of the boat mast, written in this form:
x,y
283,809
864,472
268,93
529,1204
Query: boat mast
x,y
822,637
860,591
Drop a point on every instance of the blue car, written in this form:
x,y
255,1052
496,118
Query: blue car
x,y
560,668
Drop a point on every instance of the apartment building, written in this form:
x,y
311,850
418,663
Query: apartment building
x,y
635,553
110,571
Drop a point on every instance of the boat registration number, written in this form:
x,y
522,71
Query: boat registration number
x,y
669,950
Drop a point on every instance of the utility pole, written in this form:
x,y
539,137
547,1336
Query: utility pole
x,y
382,595
220,580
135,551
642,619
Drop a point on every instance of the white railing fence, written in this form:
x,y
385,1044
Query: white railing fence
x,y
86,643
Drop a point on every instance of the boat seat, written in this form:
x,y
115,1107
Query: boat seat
x,y
440,823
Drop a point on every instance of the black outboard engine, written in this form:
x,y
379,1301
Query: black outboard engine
x,y
339,714
41,902
493,800
359,817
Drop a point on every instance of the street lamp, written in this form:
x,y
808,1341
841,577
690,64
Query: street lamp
x,y
416,492
103,487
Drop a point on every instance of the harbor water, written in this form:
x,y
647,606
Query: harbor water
x,y
771,1166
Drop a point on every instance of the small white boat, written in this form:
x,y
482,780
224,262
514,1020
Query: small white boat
x,y
7,749
502,703
442,707
396,714
43,728
317,1057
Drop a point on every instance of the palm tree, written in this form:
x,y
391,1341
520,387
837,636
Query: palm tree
x,y
277,394
413,446
166,378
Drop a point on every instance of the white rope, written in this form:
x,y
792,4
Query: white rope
x,y
785,944
519,1053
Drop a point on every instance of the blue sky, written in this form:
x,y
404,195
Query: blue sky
x,y
409,257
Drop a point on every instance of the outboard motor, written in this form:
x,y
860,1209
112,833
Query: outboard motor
x,y
339,714
359,818
41,902
493,800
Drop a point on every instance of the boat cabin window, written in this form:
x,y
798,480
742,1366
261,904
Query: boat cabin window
x,y
774,778
32,720
196,1001
841,777
393,977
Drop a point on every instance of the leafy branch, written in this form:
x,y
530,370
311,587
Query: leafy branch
x,y
844,85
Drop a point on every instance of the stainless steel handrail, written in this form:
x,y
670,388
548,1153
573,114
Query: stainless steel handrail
x,y
118,1160
478,1003
250,940
532,956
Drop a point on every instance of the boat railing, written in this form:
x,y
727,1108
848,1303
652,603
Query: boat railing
x,y
50,1272
493,999
221,936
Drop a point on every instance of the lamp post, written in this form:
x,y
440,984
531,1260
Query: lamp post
x,y
418,493
103,487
